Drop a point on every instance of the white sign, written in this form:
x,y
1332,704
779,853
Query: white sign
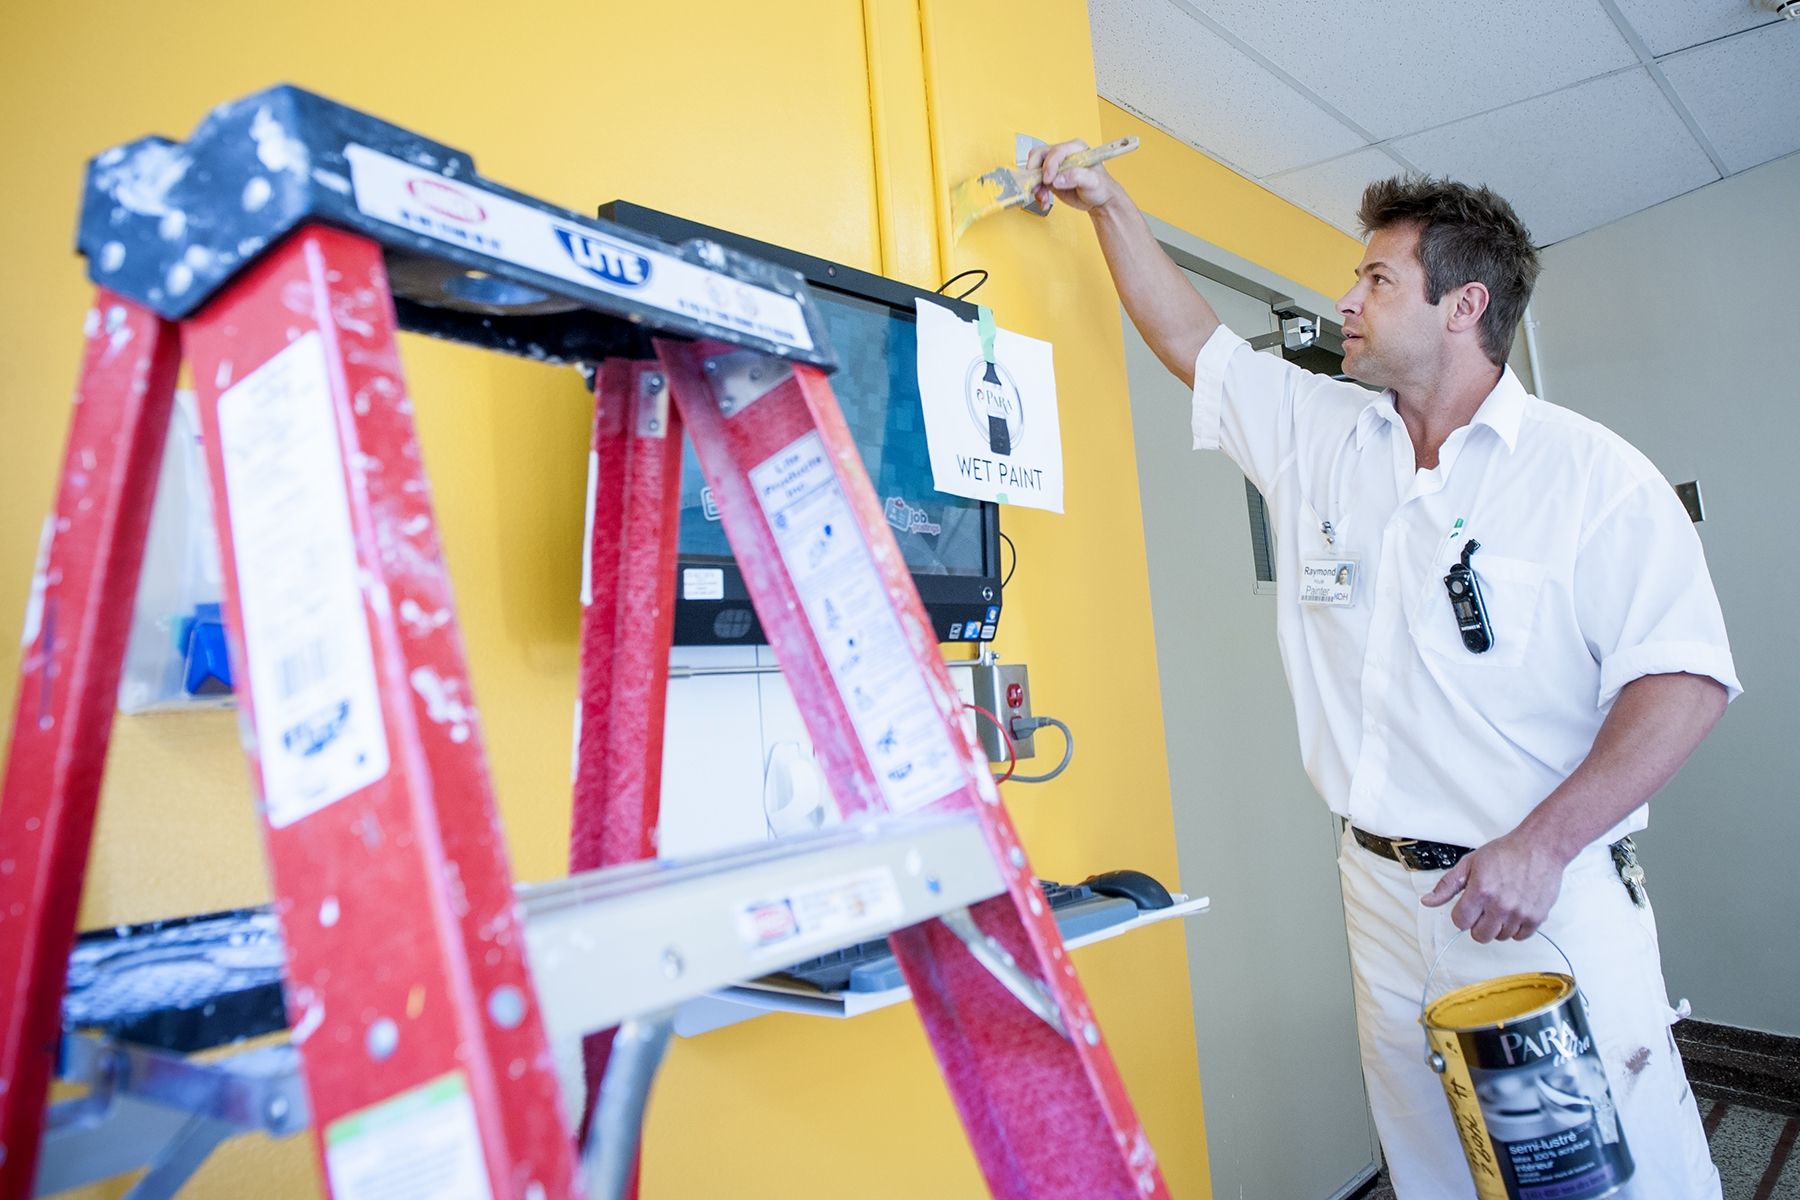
x,y
450,211
319,730
992,426
902,732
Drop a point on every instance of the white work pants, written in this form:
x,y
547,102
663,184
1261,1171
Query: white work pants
x,y
1612,945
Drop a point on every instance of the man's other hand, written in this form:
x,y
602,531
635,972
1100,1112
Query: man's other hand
x,y
1081,188
1507,888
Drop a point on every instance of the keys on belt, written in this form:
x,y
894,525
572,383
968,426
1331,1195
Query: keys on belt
x,y
1631,873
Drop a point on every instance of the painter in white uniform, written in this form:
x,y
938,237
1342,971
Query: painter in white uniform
x,y
1523,758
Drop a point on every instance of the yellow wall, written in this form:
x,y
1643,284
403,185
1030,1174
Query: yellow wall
x,y
1194,193
822,124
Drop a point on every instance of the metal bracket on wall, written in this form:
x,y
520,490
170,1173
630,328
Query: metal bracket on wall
x,y
1023,144
1690,499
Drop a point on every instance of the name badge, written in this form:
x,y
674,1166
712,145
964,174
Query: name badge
x,y
1328,582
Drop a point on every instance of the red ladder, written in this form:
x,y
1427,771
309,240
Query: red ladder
x,y
421,1028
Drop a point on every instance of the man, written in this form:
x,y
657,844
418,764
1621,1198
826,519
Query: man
x,y
1484,757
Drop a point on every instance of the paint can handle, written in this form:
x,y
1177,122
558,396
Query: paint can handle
x,y
1432,1057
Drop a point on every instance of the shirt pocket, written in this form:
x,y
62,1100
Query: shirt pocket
x,y
1511,591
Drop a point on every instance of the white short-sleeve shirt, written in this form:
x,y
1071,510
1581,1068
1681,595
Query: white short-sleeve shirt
x,y
1591,571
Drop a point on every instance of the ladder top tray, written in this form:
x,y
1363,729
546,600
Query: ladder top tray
x,y
168,224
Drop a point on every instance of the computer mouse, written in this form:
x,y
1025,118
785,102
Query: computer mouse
x,y
1141,889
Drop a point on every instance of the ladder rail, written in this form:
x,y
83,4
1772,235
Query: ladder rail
x,y
407,981
77,625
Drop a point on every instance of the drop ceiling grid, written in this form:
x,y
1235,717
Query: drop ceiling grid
x,y
1575,159
1409,67
1667,27
1332,191
1555,110
1148,55
1744,93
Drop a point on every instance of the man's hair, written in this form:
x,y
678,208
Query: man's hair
x,y
1466,235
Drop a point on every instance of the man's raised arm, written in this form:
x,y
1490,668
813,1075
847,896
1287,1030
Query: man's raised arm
x,y
1173,318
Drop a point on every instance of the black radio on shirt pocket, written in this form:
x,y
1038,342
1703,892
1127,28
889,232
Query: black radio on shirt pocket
x,y
1467,605
1513,597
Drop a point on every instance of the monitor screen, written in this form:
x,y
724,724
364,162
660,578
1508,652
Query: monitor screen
x,y
950,543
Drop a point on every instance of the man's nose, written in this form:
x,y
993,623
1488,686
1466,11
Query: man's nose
x,y
1350,301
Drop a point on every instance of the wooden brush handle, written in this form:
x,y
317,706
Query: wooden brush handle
x,y
1099,154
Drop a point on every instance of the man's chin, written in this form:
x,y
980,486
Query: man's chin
x,y
1362,372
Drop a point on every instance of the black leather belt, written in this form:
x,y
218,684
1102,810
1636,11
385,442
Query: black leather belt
x,y
1411,853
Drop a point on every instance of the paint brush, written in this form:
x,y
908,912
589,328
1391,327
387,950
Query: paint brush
x,y
1009,187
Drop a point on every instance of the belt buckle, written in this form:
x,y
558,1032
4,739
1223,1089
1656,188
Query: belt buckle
x,y
1402,848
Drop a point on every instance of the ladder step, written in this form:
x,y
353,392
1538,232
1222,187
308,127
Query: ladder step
x,y
673,931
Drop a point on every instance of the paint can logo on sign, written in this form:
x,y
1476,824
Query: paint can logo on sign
x,y
611,262
446,200
994,404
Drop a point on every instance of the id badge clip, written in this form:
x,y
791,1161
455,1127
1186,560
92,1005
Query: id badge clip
x,y
1331,581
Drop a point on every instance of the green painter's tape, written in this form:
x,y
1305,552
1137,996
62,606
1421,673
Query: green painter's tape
x,y
985,323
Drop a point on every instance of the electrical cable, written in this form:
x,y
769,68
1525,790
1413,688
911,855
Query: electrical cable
x,y
1012,756
1068,748
1015,561
964,275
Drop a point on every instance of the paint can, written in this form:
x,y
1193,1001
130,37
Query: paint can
x,y
1526,1086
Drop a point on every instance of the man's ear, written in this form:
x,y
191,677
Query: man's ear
x,y
1469,302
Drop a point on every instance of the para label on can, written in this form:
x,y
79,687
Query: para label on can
x,y
1529,1093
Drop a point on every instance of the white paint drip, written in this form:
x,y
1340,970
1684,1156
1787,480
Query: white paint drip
x,y
275,149
420,621
441,702
256,194
34,606
91,324
222,377
308,1024
332,180
174,224
141,181
344,313
587,536
112,257
329,912
179,278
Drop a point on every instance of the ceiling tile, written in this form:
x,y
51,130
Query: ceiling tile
x,y
1744,93
1423,63
1156,60
1573,160
1667,27
1333,190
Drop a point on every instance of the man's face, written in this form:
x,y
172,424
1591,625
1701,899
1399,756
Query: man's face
x,y
1392,336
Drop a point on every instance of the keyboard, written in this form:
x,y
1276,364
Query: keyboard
x,y
185,984
871,966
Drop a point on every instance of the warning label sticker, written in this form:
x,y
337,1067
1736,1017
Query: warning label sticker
x,y
831,910
319,729
904,736
421,1145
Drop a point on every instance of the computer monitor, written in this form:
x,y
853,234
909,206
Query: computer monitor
x,y
951,544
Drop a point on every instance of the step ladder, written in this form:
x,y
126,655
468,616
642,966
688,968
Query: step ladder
x,y
277,252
